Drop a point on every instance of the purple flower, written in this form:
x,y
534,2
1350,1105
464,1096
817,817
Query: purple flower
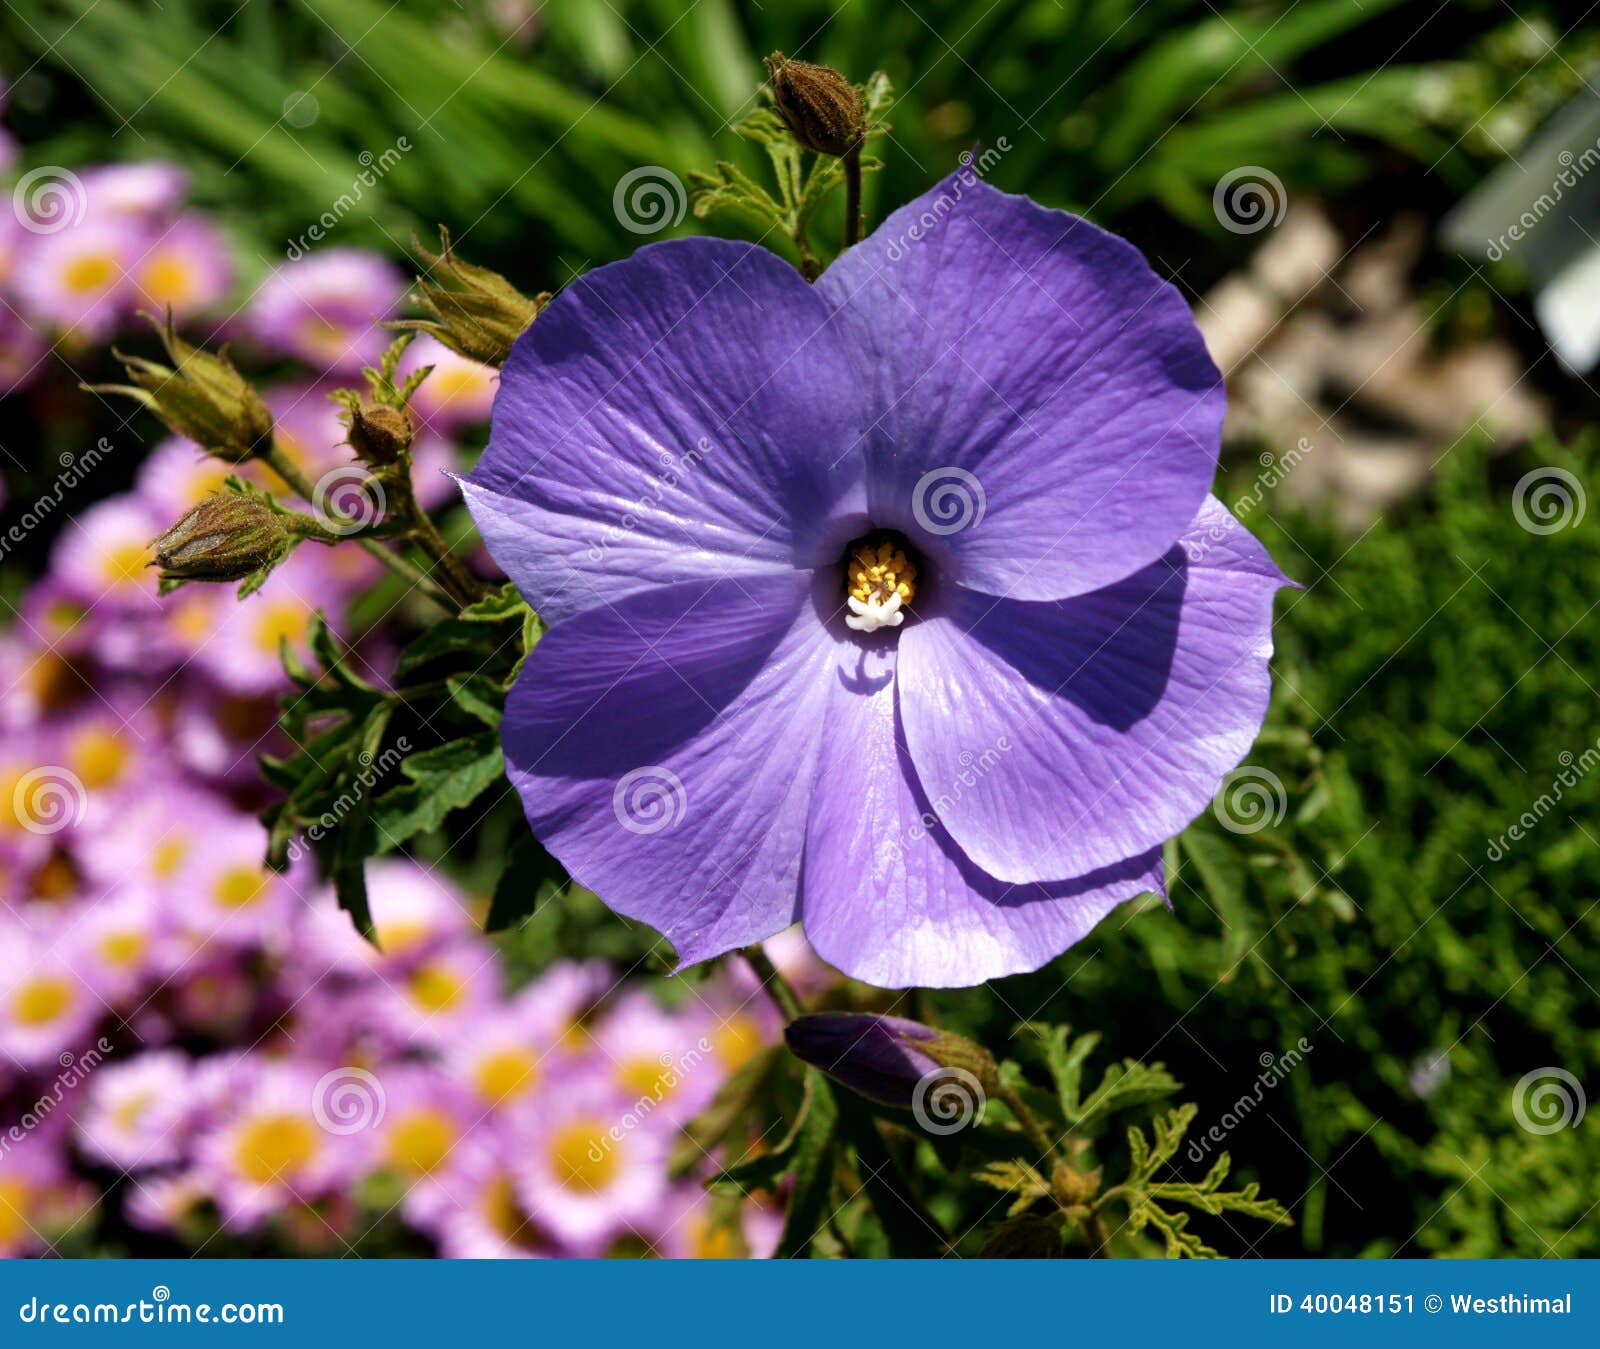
x,y
896,604
325,308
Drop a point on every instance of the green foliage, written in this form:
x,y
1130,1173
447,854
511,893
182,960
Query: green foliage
x,y
1428,682
341,795
801,192
1116,106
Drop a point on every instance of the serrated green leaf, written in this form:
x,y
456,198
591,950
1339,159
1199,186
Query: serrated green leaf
x,y
446,778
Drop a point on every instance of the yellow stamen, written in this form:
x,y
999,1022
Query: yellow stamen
x,y
880,571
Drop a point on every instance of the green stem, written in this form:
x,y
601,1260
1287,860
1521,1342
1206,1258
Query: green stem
x,y
1031,1126
776,986
458,580
285,468
853,222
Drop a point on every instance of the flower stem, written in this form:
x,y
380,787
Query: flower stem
x,y
853,223
776,986
1031,1126
285,468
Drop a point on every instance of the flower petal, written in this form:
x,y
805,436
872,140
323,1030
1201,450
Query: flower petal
x,y
1046,419
664,751
688,413
1058,737
891,900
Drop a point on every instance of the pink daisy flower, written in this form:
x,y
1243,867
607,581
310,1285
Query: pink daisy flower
x,y
81,279
186,268
586,1170
139,1112
325,308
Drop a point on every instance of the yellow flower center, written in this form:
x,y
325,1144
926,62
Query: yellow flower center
x,y
420,1142
16,1198
275,1145
709,1240
99,756
879,571
583,1157
239,887
123,948
168,280
500,1209
505,1074
124,563
90,273
736,1041
458,384
131,1111
402,936
645,1077
41,1001
278,621
436,988
168,856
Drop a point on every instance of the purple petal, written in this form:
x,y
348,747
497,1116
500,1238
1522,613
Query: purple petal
x,y
687,414
665,747
1045,417
1060,737
890,899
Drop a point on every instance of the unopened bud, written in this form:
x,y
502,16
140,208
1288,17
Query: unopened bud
x,y
820,107
200,396
884,1058
379,435
475,312
227,537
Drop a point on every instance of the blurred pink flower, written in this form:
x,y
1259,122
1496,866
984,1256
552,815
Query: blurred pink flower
x,y
325,308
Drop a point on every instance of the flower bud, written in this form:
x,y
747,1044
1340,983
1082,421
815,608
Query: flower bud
x,y
820,107
473,311
379,435
199,396
885,1058
227,537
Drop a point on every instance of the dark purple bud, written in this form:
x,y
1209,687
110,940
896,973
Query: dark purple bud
x,y
887,1059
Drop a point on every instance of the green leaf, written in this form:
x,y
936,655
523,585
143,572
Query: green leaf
x,y
478,696
531,876
815,1141
444,779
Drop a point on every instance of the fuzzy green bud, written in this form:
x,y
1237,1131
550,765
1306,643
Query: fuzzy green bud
x,y
227,537
475,312
380,435
200,396
819,105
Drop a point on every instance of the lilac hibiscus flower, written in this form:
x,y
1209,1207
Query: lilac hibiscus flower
x,y
895,604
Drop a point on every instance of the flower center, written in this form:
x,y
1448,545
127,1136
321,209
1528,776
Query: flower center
x,y
880,580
